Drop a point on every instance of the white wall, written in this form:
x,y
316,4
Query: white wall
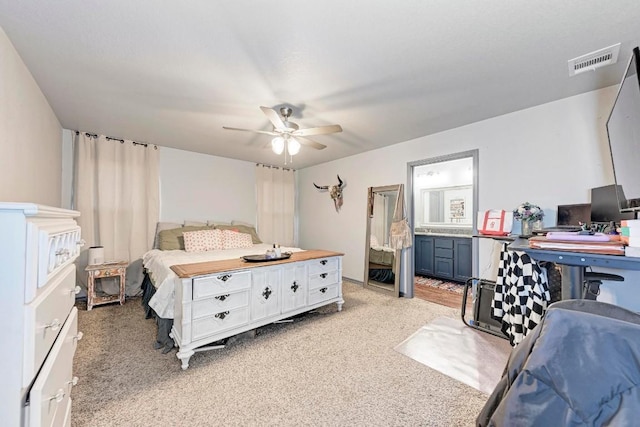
x,y
30,135
201,187
550,154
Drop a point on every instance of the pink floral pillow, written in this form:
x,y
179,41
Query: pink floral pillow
x,y
202,240
234,240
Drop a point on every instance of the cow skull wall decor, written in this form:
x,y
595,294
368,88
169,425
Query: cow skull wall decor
x,y
335,191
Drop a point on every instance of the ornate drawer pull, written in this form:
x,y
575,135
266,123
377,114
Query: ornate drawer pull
x,y
222,297
323,275
222,315
107,273
81,242
58,396
324,262
295,286
323,290
54,325
266,293
74,381
78,337
224,277
75,291
62,252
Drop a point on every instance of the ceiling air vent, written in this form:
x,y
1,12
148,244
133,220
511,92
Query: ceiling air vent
x,y
593,60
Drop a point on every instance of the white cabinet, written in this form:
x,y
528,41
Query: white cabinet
x,y
215,306
37,294
265,292
294,286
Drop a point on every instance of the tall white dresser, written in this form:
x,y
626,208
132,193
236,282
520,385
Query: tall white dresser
x,y
38,245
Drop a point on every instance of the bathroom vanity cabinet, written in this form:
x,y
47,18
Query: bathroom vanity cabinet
x,y
443,257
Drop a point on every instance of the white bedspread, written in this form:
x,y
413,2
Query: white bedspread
x,y
158,264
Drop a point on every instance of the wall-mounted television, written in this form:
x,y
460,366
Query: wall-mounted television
x,y
623,129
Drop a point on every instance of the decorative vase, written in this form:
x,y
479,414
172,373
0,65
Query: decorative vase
x,y
537,225
527,228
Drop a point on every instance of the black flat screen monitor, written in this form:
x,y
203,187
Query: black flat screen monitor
x,y
623,130
574,214
604,205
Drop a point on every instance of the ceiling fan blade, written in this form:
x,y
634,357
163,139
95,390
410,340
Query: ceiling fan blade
x,y
310,143
273,117
251,130
320,130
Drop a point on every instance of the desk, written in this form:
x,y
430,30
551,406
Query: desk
x,y
573,264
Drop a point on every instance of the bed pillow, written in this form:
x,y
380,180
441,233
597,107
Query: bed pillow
x,y
234,222
172,240
161,226
373,241
202,240
214,223
234,240
242,229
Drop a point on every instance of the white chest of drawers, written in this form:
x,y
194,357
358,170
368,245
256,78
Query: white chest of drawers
x,y
216,300
38,245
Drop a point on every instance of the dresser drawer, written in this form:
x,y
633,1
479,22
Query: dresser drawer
x,y
219,303
49,396
323,279
323,293
216,284
44,318
221,321
322,265
52,244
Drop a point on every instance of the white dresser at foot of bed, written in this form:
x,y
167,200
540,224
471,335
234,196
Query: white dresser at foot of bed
x,y
211,307
37,296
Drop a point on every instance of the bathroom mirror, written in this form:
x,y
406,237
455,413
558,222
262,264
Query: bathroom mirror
x,y
443,194
382,263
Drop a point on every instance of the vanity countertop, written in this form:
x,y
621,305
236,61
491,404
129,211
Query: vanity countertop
x,y
444,232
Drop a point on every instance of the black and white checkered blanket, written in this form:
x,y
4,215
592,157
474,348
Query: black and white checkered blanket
x,y
521,294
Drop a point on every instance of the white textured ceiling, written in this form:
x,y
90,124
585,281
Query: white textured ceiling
x,y
173,73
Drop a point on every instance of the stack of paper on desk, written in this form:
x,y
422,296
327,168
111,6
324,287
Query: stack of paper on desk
x,y
596,244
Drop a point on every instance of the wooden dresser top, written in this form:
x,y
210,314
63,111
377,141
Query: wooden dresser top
x,y
210,267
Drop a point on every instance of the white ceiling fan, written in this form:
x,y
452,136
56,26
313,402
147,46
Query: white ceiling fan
x,y
288,135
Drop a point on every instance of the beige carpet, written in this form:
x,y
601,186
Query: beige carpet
x,y
476,358
329,368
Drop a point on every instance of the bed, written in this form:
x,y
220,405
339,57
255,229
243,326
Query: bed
x,y
381,264
201,298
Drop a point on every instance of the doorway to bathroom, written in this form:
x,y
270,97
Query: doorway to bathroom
x,y
443,203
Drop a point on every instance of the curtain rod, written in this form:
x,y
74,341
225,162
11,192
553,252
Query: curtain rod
x,y
109,138
274,167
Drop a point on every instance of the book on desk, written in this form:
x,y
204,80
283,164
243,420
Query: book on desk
x,y
597,243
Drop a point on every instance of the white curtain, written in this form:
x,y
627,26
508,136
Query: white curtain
x,y
275,189
116,190
379,220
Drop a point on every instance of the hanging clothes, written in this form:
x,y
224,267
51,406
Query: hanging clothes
x,y
400,234
521,294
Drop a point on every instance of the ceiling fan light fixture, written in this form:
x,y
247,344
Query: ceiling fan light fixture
x,y
293,146
277,145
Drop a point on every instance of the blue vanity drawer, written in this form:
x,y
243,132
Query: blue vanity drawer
x,y
444,253
444,243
